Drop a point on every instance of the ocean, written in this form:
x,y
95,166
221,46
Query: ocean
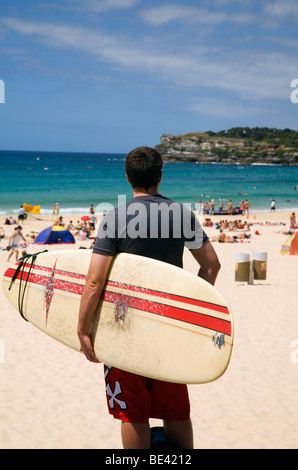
x,y
76,180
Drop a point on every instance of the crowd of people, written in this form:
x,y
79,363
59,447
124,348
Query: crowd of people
x,y
84,228
16,242
243,227
208,208
231,225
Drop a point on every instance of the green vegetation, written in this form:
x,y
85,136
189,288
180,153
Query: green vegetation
x,y
236,145
278,137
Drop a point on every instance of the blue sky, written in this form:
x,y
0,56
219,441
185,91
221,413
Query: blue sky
x,y
110,75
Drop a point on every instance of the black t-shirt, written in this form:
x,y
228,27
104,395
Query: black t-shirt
x,y
151,226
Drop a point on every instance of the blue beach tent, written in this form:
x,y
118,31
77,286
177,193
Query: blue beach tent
x,y
54,234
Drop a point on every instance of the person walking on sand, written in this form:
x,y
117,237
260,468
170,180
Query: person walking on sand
x,y
200,207
14,242
272,207
230,207
293,223
21,214
143,398
246,207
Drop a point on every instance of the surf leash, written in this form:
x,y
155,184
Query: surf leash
x,y
21,269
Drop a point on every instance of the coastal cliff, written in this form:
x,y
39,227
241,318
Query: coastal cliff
x,y
242,145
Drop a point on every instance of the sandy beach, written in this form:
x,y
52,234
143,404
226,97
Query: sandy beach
x,y
52,398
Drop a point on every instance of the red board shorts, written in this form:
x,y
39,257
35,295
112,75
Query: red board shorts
x,y
133,398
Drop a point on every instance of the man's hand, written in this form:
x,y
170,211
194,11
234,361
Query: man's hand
x,y
208,260
86,347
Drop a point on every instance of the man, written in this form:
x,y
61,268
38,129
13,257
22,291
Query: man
x,y
230,207
21,213
164,239
92,219
246,207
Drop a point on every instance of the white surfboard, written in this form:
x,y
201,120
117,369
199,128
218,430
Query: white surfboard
x,y
153,319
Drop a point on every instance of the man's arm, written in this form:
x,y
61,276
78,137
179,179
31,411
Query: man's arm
x,y
95,282
208,261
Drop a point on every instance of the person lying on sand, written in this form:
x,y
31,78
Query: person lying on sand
x,y
223,238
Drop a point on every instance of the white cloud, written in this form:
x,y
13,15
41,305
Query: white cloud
x,y
164,14
249,74
62,35
281,9
228,2
99,6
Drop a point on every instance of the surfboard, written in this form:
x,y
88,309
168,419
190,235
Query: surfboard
x,y
153,319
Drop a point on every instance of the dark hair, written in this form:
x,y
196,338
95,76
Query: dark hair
x,y
143,167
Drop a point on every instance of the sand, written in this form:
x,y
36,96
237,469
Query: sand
x,y
52,398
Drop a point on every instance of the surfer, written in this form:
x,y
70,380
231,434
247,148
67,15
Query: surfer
x,y
131,398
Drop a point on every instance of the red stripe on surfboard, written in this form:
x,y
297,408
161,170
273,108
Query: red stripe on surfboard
x,y
42,281
200,319
176,313
60,272
164,295
176,298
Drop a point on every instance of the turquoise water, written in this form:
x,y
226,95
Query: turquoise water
x,y
76,180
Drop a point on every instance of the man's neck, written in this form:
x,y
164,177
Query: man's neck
x,y
137,192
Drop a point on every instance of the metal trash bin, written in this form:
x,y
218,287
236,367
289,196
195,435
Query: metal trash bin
x,y
259,265
242,267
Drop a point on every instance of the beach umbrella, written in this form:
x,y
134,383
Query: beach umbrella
x,y
291,245
54,234
85,218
